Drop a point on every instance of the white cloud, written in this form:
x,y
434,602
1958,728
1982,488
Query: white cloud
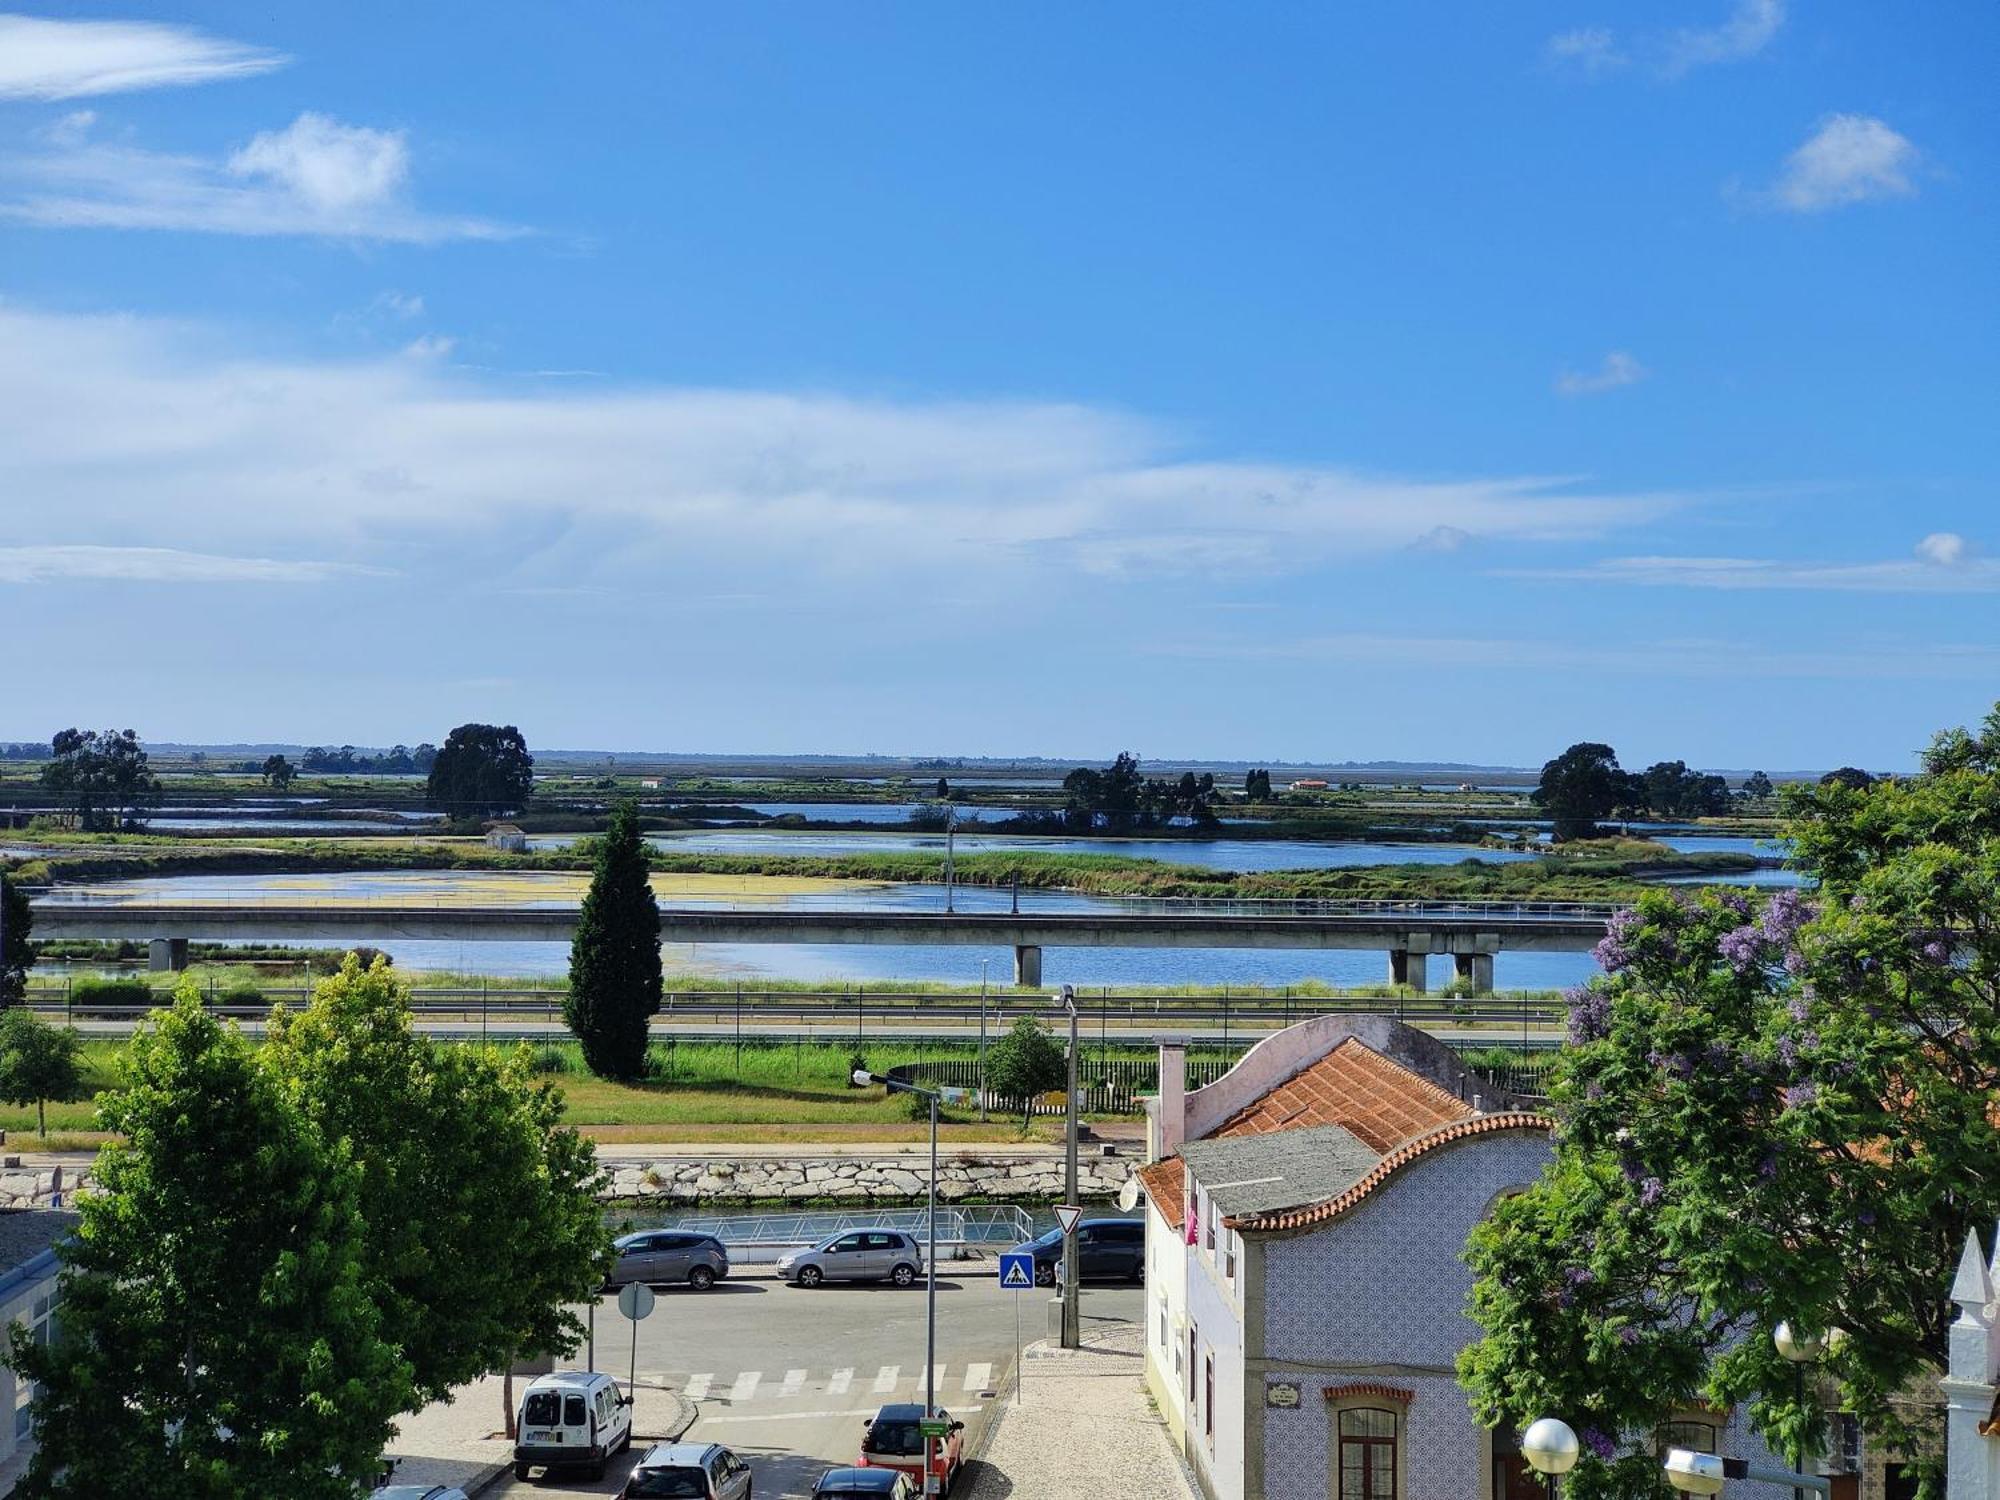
x,y
154,565
1619,368
400,304
1943,564
1591,49
43,59
316,177
1748,30
130,431
1848,159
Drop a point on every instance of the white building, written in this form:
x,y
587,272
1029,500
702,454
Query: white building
x,y
27,1296
1972,1380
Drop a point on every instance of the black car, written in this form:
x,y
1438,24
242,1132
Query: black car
x,y
1106,1250
864,1484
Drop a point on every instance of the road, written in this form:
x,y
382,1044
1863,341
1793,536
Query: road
x,y
786,1377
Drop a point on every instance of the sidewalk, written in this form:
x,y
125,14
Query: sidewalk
x,y
1083,1423
463,1441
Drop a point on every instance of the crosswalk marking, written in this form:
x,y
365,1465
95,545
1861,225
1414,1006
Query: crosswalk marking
x,y
842,1379
885,1378
746,1385
793,1380
978,1377
697,1386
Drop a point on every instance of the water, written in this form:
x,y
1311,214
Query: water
x,y
1117,968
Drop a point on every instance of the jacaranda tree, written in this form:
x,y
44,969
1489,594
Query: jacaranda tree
x,y
1775,1114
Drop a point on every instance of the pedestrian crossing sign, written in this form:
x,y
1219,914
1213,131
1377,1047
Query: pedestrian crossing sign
x,y
1017,1270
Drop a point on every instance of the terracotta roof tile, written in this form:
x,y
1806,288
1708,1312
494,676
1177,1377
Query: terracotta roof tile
x,y
1369,1388
1357,1087
1400,1156
1167,1188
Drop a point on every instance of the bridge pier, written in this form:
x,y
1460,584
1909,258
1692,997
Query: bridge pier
x,y
167,955
1407,966
1475,970
1027,966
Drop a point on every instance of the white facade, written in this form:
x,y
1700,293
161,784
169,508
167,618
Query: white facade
x,y
1972,1382
27,1297
1166,1320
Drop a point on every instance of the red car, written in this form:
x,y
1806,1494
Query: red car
x,y
892,1439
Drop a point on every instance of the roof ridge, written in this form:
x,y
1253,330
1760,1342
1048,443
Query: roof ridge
x,y
1430,1083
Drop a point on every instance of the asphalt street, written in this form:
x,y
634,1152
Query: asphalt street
x,y
786,1377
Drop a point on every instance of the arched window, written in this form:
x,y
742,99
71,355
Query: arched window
x,y
1367,1458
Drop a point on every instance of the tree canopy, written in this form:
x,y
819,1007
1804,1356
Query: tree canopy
x,y
38,1062
482,770
102,776
278,772
216,1337
1785,1114
1671,790
1758,785
1118,798
1582,786
614,958
17,950
1026,1062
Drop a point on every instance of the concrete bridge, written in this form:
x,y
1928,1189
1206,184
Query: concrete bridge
x,y
1471,932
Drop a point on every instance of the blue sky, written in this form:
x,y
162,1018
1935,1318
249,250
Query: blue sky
x,y
1451,381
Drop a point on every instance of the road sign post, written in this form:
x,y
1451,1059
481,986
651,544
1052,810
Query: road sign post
x,y
635,1301
1017,1275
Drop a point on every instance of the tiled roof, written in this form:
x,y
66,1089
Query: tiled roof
x,y
1408,1151
1369,1388
1356,1087
1259,1174
1166,1188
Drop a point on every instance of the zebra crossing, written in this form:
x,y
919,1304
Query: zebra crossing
x,y
743,1387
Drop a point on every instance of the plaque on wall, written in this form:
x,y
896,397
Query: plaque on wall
x,y
1282,1393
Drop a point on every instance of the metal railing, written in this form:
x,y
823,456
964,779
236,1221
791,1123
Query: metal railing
x,y
983,1224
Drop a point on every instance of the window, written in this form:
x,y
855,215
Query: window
x,y
1367,1457
1691,1433
1229,1254
1163,1320
573,1412
1194,1345
41,1328
1208,1400
850,1242
1208,1218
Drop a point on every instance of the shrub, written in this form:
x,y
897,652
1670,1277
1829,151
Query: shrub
x,y
552,1057
244,996
92,990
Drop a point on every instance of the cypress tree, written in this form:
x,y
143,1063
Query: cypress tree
x,y
614,960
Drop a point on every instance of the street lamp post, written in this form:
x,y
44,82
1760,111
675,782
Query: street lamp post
x,y
863,1077
1072,1321
984,964
1799,1350
949,845
1551,1449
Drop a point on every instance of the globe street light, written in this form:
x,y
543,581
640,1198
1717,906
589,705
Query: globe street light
x,y
1550,1448
1799,1349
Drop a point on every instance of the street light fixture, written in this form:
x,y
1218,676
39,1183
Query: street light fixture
x,y
1551,1449
1799,1349
1703,1473
1064,999
932,1097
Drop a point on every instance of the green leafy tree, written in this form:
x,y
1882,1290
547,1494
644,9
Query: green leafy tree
x,y
1757,785
278,772
1852,777
217,1339
1582,786
1257,785
614,959
103,777
17,951
1775,1115
483,769
38,1062
482,1215
1026,1062
1672,790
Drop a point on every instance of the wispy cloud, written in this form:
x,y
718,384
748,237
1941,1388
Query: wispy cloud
x,y
1618,369
157,565
1748,30
130,431
1847,159
43,59
1696,657
315,177
1592,50
1943,563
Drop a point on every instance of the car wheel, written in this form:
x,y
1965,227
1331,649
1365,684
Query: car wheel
x,y
811,1276
1045,1275
521,1472
904,1274
701,1278
1138,1273
596,1470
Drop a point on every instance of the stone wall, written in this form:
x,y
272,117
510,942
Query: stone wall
x,y
861,1179
34,1187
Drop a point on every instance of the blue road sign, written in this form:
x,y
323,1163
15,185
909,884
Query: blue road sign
x,y
1017,1269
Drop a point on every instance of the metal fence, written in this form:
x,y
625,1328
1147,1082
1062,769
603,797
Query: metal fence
x,y
1109,1086
985,1224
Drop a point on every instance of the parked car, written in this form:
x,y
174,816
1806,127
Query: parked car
x,y
417,1492
573,1419
669,1257
864,1484
857,1255
689,1471
892,1439
1106,1250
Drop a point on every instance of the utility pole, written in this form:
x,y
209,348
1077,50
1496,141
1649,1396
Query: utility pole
x,y
983,963
950,839
1072,1322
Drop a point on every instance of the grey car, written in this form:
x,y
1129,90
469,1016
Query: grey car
x,y
857,1255
669,1257
689,1471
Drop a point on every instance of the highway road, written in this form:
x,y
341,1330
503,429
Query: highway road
x,y
786,1376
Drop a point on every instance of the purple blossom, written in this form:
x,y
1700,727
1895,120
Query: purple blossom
x,y
1797,1008
1614,951
1743,947
1628,1335
1651,1191
1784,914
1866,1216
1579,1275
1788,1052
1799,1095
1598,1442
1767,1165
1589,1014
1937,951
1734,901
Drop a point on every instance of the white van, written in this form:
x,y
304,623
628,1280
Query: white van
x,y
571,1419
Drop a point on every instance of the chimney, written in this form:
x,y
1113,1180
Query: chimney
x,y
1172,1103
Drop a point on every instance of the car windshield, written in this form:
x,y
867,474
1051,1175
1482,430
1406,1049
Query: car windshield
x,y
1053,1237
670,1484
542,1409
898,1439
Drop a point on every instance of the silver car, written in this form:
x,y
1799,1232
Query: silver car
x,y
669,1257
857,1255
